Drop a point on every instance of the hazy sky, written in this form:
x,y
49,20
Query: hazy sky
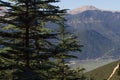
x,y
102,4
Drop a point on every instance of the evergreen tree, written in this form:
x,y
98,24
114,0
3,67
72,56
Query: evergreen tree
x,y
65,46
25,42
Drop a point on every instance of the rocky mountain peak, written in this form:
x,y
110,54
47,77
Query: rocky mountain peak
x,y
82,9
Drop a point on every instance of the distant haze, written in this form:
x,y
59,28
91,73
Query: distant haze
x,y
101,4
87,7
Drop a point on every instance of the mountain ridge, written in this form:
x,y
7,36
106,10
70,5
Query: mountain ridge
x,y
82,9
98,31
87,7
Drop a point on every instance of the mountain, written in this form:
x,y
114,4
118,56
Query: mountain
x,y
82,9
102,73
98,30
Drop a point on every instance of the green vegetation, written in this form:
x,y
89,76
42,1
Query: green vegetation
x,y
104,72
67,42
32,51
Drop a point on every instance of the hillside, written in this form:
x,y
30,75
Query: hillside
x,y
98,30
104,72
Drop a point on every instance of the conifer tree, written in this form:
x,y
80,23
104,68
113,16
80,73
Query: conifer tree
x,y
26,50
67,44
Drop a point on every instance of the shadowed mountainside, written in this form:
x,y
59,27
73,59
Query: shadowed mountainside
x,y
98,31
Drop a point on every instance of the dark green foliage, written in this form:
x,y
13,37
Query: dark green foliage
x,y
66,44
78,74
28,49
25,40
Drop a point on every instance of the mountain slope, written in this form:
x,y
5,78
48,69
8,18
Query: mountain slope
x,y
98,31
104,72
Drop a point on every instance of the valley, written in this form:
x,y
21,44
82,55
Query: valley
x,y
90,64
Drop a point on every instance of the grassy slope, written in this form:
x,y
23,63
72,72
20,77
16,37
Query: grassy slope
x,y
104,72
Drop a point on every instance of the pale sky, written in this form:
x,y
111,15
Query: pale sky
x,y
101,4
